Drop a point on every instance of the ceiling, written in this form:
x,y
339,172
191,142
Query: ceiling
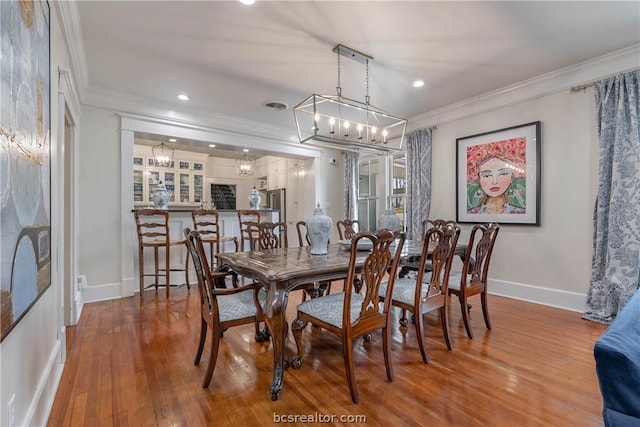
x,y
231,58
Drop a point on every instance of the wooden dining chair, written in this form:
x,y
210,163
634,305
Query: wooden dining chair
x,y
220,307
244,217
347,228
350,315
207,223
472,280
316,289
428,291
152,226
412,263
269,235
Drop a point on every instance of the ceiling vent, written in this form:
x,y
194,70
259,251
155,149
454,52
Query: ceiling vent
x,y
275,105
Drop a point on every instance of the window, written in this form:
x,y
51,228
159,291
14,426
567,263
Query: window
x,y
399,186
369,172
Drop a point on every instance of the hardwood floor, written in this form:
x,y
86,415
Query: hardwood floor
x,y
131,364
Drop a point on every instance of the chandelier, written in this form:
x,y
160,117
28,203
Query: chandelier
x,y
162,155
245,165
339,122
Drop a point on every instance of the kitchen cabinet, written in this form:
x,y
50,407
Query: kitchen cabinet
x,y
300,200
138,185
184,180
155,177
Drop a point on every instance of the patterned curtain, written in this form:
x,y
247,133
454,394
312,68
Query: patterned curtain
x,y
418,181
351,185
615,269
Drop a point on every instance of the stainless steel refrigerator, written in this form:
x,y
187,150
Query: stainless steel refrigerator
x,y
277,200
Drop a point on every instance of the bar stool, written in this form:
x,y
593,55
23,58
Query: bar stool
x,y
206,222
153,232
245,218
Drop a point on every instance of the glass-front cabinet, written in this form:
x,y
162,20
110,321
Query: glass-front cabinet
x,y
184,179
198,188
138,185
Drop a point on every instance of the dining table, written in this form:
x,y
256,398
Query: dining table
x,y
283,270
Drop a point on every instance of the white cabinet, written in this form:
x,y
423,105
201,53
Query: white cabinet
x,y
277,174
184,180
300,200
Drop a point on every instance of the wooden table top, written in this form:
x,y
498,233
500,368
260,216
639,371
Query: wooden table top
x,y
296,265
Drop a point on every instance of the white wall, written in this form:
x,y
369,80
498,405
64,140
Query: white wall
x,y
557,254
99,196
549,264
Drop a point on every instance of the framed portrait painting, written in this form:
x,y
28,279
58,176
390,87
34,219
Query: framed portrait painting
x,y
25,178
498,176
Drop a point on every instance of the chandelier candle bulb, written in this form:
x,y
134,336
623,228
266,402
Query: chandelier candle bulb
x,y
359,131
332,122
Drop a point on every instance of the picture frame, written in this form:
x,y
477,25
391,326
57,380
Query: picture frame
x,y
498,176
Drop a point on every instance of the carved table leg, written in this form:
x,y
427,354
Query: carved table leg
x,y
275,309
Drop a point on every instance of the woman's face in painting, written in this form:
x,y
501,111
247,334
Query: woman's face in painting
x,y
494,177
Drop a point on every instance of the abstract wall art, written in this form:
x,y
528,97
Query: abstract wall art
x,y
25,178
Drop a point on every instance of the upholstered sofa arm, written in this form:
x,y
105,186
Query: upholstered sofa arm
x,y
617,355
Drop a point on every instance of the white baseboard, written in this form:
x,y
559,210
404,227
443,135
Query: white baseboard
x,y
40,406
101,292
572,301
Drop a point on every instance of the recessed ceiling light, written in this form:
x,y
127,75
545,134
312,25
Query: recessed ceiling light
x,y
418,83
247,2
212,145
183,97
246,150
172,140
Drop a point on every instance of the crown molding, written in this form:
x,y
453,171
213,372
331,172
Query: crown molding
x,y
69,18
127,104
196,131
582,74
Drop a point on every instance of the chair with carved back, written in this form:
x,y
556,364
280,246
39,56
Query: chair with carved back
x,y
472,280
350,315
347,228
270,235
206,222
221,307
152,226
411,264
428,290
245,217
316,289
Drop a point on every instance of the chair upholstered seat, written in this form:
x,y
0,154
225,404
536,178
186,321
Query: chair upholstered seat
x,y
329,308
239,306
455,279
404,290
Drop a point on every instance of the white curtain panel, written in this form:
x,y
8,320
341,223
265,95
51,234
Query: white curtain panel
x,y
418,181
351,185
615,270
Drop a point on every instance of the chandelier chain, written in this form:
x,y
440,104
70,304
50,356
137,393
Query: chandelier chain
x,y
339,88
366,98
